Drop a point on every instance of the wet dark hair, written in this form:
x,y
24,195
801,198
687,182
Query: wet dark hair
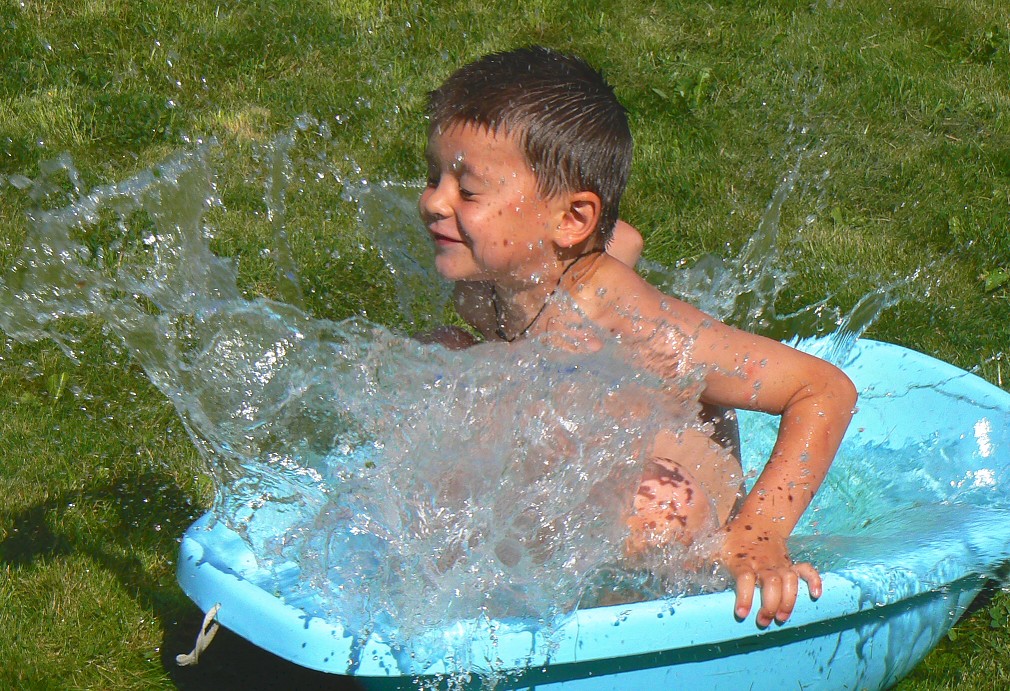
x,y
561,112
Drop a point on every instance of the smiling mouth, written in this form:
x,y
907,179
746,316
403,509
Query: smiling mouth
x,y
440,239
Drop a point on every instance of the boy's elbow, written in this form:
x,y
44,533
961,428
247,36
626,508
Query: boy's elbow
x,y
842,390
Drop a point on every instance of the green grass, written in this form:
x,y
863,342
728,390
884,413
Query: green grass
x,y
901,106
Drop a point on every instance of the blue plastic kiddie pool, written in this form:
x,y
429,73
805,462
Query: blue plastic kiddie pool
x,y
881,612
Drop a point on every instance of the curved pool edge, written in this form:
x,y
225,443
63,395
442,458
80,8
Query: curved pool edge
x,y
844,640
667,641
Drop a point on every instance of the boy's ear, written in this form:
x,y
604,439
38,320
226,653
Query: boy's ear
x,y
579,220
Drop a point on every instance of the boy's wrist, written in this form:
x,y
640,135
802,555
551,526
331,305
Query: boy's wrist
x,y
757,523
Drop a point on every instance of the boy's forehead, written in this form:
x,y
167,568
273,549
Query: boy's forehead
x,y
466,146
456,159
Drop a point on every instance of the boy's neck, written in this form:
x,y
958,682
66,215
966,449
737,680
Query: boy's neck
x,y
518,307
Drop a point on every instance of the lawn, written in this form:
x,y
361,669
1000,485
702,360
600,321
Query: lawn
x,y
895,111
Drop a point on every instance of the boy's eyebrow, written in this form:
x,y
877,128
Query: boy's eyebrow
x,y
459,165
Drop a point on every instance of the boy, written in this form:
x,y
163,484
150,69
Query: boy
x,y
528,154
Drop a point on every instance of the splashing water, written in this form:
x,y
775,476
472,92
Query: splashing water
x,y
416,486
745,289
399,475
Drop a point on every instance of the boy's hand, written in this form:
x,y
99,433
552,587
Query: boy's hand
x,y
760,559
452,337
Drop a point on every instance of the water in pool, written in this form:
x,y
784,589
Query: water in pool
x,y
416,486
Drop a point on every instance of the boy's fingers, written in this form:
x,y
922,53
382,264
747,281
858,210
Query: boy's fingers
x,y
808,573
779,591
790,589
745,583
771,595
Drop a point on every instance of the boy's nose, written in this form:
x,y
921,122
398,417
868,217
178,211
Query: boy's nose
x,y
434,203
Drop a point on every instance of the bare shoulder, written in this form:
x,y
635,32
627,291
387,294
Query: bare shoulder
x,y
741,369
615,297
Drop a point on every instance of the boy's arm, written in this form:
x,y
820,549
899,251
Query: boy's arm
x,y
472,300
815,401
625,244
451,337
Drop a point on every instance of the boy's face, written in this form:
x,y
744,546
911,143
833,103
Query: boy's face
x,y
483,210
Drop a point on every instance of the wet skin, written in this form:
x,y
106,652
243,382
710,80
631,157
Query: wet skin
x,y
491,227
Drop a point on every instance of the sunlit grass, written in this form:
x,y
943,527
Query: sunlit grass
x,y
895,112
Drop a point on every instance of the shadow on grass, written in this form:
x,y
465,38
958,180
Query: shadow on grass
x,y
125,521
231,662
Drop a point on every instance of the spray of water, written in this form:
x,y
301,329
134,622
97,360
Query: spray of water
x,y
412,486
411,483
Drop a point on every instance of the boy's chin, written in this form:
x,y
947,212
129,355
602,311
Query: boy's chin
x,y
450,275
455,273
